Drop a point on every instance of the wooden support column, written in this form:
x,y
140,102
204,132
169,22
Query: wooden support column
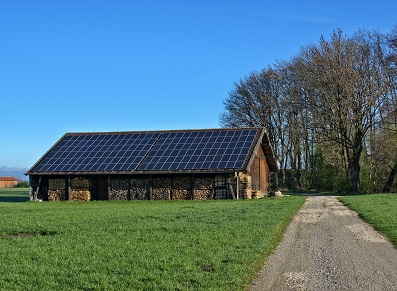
x,y
30,193
129,189
109,196
193,186
150,190
69,188
172,186
36,192
230,187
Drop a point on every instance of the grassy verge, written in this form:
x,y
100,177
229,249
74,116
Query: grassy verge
x,y
142,245
14,194
379,210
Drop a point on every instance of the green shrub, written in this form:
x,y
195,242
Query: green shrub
x,y
22,184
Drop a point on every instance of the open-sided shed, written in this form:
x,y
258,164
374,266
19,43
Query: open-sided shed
x,y
175,164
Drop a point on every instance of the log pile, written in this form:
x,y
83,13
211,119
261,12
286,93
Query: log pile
x,y
203,194
56,195
161,188
80,183
181,188
55,184
244,186
80,195
80,189
56,190
181,194
139,188
119,189
204,188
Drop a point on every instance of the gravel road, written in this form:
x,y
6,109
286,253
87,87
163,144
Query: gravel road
x,y
328,247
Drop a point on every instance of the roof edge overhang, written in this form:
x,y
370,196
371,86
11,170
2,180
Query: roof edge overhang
x,y
221,171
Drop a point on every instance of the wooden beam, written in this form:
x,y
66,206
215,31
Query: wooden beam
x,y
193,186
230,188
69,189
109,196
150,187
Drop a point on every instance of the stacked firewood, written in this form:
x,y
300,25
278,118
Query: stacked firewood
x,y
56,195
80,183
181,188
244,186
204,188
119,189
203,194
161,188
80,189
56,189
139,188
80,195
55,184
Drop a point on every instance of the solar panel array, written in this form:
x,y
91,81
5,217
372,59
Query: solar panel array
x,y
149,151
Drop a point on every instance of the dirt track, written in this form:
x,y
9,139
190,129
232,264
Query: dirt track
x,y
328,247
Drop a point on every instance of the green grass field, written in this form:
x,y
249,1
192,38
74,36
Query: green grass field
x,y
141,245
379,210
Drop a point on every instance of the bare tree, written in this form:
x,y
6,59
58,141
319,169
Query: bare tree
x,y
391,106
346,84
256,100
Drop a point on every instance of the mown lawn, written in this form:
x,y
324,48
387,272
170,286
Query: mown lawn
x,y
141,245
379,210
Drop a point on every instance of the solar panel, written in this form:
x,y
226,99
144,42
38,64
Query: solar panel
x,y
200,150
98,152
149,151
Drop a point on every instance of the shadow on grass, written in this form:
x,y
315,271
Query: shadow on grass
x,y
311,193
14,198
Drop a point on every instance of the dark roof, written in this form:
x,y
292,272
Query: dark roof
x,y
8,179
201,150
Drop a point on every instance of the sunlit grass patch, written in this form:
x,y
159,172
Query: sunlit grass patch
x,y
141,245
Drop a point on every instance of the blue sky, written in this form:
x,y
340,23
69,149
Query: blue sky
x,y
102,65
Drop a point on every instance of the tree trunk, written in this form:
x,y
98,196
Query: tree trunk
x,y
354,171
391,178
298,175
354,162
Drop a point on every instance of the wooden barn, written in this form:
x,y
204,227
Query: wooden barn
x,y
227,163
8,182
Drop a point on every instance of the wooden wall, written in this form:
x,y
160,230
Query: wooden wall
x,y
258,176
8,184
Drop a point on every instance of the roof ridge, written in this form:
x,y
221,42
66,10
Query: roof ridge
x,y
163,130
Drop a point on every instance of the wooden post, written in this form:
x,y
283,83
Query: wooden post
x,y
129,189
30,193
150,187
69,190
193,186
109,196
172,185
230,187
36,192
